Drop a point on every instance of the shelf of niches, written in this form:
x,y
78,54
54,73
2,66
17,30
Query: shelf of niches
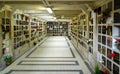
x,y
80,30
106,51
79,37
50,28
21,30
105,33
107,59
74,31
106,44
74,36
116,34
83,26
6,39
116,29
40,30
116,38
6,31
69,29
44,28
91,35
34,31
105,38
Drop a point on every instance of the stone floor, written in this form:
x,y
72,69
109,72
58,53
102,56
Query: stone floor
x,y
53,55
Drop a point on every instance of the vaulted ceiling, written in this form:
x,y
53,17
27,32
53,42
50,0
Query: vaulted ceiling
x,y
61,8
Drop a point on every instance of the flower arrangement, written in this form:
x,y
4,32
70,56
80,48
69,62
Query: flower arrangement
x,y
109,42
118,43
112,54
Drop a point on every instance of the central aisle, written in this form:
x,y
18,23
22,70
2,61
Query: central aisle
x,y
54,55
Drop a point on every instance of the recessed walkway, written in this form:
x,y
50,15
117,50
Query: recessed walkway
x,y
54,55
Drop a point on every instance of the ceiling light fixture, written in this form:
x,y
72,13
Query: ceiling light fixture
x,y
49,10
55,18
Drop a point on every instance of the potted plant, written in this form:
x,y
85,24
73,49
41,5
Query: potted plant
x,y
109,40
97,70
8,60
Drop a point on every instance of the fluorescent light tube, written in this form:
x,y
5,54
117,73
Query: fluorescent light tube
x,y
55,18
49,10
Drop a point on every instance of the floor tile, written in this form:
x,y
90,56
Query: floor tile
x,y
54,55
